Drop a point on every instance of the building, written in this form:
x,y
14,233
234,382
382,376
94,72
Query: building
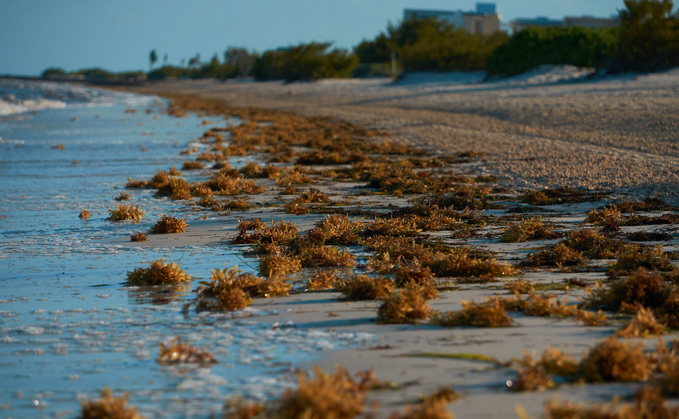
x,y
590,22
484,20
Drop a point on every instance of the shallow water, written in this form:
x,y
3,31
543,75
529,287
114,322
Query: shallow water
x,y
68,325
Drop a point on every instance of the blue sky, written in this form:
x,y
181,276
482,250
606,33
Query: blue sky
x,y
118,35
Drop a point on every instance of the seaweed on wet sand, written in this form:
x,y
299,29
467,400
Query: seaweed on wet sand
x,y
126,212
652,259
193,165
108,407
489,313
326,395
612,360
406,305
528,229
251,224
460,262
158,273
279,234
169,225
122,197
335,229
433,406
183,353
648,402
363,287
175,188
139,237
643,324
519,286
557,255
323,280
276,265
84,214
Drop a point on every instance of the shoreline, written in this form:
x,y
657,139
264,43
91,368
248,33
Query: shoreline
x,y
395,358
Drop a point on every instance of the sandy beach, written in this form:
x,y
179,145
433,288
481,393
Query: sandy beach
x,y
546,129
552,129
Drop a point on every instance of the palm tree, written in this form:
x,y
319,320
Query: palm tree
x,y
153,57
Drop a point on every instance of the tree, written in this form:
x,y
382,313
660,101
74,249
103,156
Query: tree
x,y
153,57
195,61
240,59
649,35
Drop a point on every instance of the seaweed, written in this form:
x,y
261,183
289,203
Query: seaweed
x,y
108,407
529,229
275,265
183,353
85,214
557,255
489,313
139,237
122,197
363,287
406,305
126,212
169,225
336,396
612,360
157,274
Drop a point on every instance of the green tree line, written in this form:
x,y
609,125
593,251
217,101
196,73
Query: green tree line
x,y
646,40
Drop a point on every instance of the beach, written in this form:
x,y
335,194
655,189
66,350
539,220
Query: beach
x,y
553,128
492,145
549,128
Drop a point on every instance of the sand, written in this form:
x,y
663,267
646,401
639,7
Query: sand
x,y
538,130
550,128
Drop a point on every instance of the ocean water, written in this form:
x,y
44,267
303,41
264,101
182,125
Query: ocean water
x,y
68,325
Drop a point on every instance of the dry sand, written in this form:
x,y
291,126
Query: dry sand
x,y
617,133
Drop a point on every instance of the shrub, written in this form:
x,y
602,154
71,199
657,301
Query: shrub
x,y
157,274
304,62
649,36
168,225
126,212
532,47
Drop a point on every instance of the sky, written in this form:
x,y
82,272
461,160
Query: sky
x,y
118,35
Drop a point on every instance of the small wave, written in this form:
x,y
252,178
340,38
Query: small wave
x,y
9,108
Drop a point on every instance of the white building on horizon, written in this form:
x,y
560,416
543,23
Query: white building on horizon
x,y
485,20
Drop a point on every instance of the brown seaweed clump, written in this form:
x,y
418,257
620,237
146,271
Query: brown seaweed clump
x,y
612,360
363,287
85,215
168,225
158,273
139,237
643,324
648,402
126,212
183,353
407,305
122,197
108,407
336,396
490,313
433,406
529,229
